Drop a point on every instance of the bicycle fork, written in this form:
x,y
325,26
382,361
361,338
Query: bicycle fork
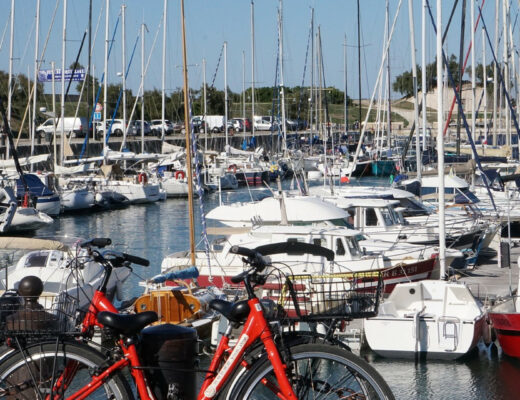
x,y
255,327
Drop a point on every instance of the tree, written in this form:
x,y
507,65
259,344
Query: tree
x,y
404,83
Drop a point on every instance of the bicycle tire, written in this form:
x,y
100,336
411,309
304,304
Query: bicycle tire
x,y
254,357
28,373
318,371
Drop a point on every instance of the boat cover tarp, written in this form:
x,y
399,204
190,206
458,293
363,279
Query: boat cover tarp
x,y
7,243
36,186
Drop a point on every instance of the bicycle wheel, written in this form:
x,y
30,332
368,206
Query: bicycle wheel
x,y
31,373
318,371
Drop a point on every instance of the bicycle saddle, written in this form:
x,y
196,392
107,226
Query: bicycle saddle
x,y
127,324
235,312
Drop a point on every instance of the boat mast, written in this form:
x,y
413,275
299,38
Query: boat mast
x,y
123,76
473,85
105,102
253,68
359,63
188,137
415,95
225,94
244,90
495,79
53,66
440,145
142,86
10,79
484,82
62,141
282,92
423,73
389,104
506,69
345,97
36,49
163,75
205,103
312,92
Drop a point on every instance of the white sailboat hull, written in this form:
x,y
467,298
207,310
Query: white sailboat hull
x,y
427,319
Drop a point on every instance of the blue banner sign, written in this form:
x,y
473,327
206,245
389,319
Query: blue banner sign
x,y
45,75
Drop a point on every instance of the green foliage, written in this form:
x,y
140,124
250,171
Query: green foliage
x,y
404,83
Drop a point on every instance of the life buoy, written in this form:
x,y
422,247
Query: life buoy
x,y
232,168
180,175
142,178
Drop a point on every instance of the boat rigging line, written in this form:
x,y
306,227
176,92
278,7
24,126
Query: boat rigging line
x,y
463,115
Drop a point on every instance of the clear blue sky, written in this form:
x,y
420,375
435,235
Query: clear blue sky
x,y
211,22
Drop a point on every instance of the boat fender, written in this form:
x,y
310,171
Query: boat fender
x,y
25,203
232,168
180,175
142,178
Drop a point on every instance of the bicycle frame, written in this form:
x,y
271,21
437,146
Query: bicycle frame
x,y
255,327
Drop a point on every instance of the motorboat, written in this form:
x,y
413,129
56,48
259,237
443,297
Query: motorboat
x,y
16,218
300,210
429,319
52,262
44,198
75,198
397,263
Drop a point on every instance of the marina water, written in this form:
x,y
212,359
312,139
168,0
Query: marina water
x,y
155,230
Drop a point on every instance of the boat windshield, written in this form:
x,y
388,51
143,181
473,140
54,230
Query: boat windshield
x,y
389,216
353,246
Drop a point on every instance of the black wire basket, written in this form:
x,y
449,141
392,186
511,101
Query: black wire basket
x,y
328,296
37,316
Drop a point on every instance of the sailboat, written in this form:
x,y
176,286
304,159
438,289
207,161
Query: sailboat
x,y
429,319
505,319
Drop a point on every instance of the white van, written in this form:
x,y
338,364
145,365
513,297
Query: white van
x,y
262,123
77,126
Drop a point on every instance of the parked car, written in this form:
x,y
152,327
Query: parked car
x,y
156,127
262,123
178,127
292,125
238,124
147,128
245,121
117,128
77,126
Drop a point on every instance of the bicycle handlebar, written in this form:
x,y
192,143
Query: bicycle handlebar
x,y
254,258
117,258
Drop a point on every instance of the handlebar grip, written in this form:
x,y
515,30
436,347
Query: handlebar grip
x,y
97,242
240,277
136,260
243,251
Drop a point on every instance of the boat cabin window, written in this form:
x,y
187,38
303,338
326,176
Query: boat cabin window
x,y
353,246
339,222
37,260
350,219
319,242
340,249
389,216
413,207
370,217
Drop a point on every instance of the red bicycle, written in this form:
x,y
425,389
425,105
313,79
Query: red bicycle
x,y
265,363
